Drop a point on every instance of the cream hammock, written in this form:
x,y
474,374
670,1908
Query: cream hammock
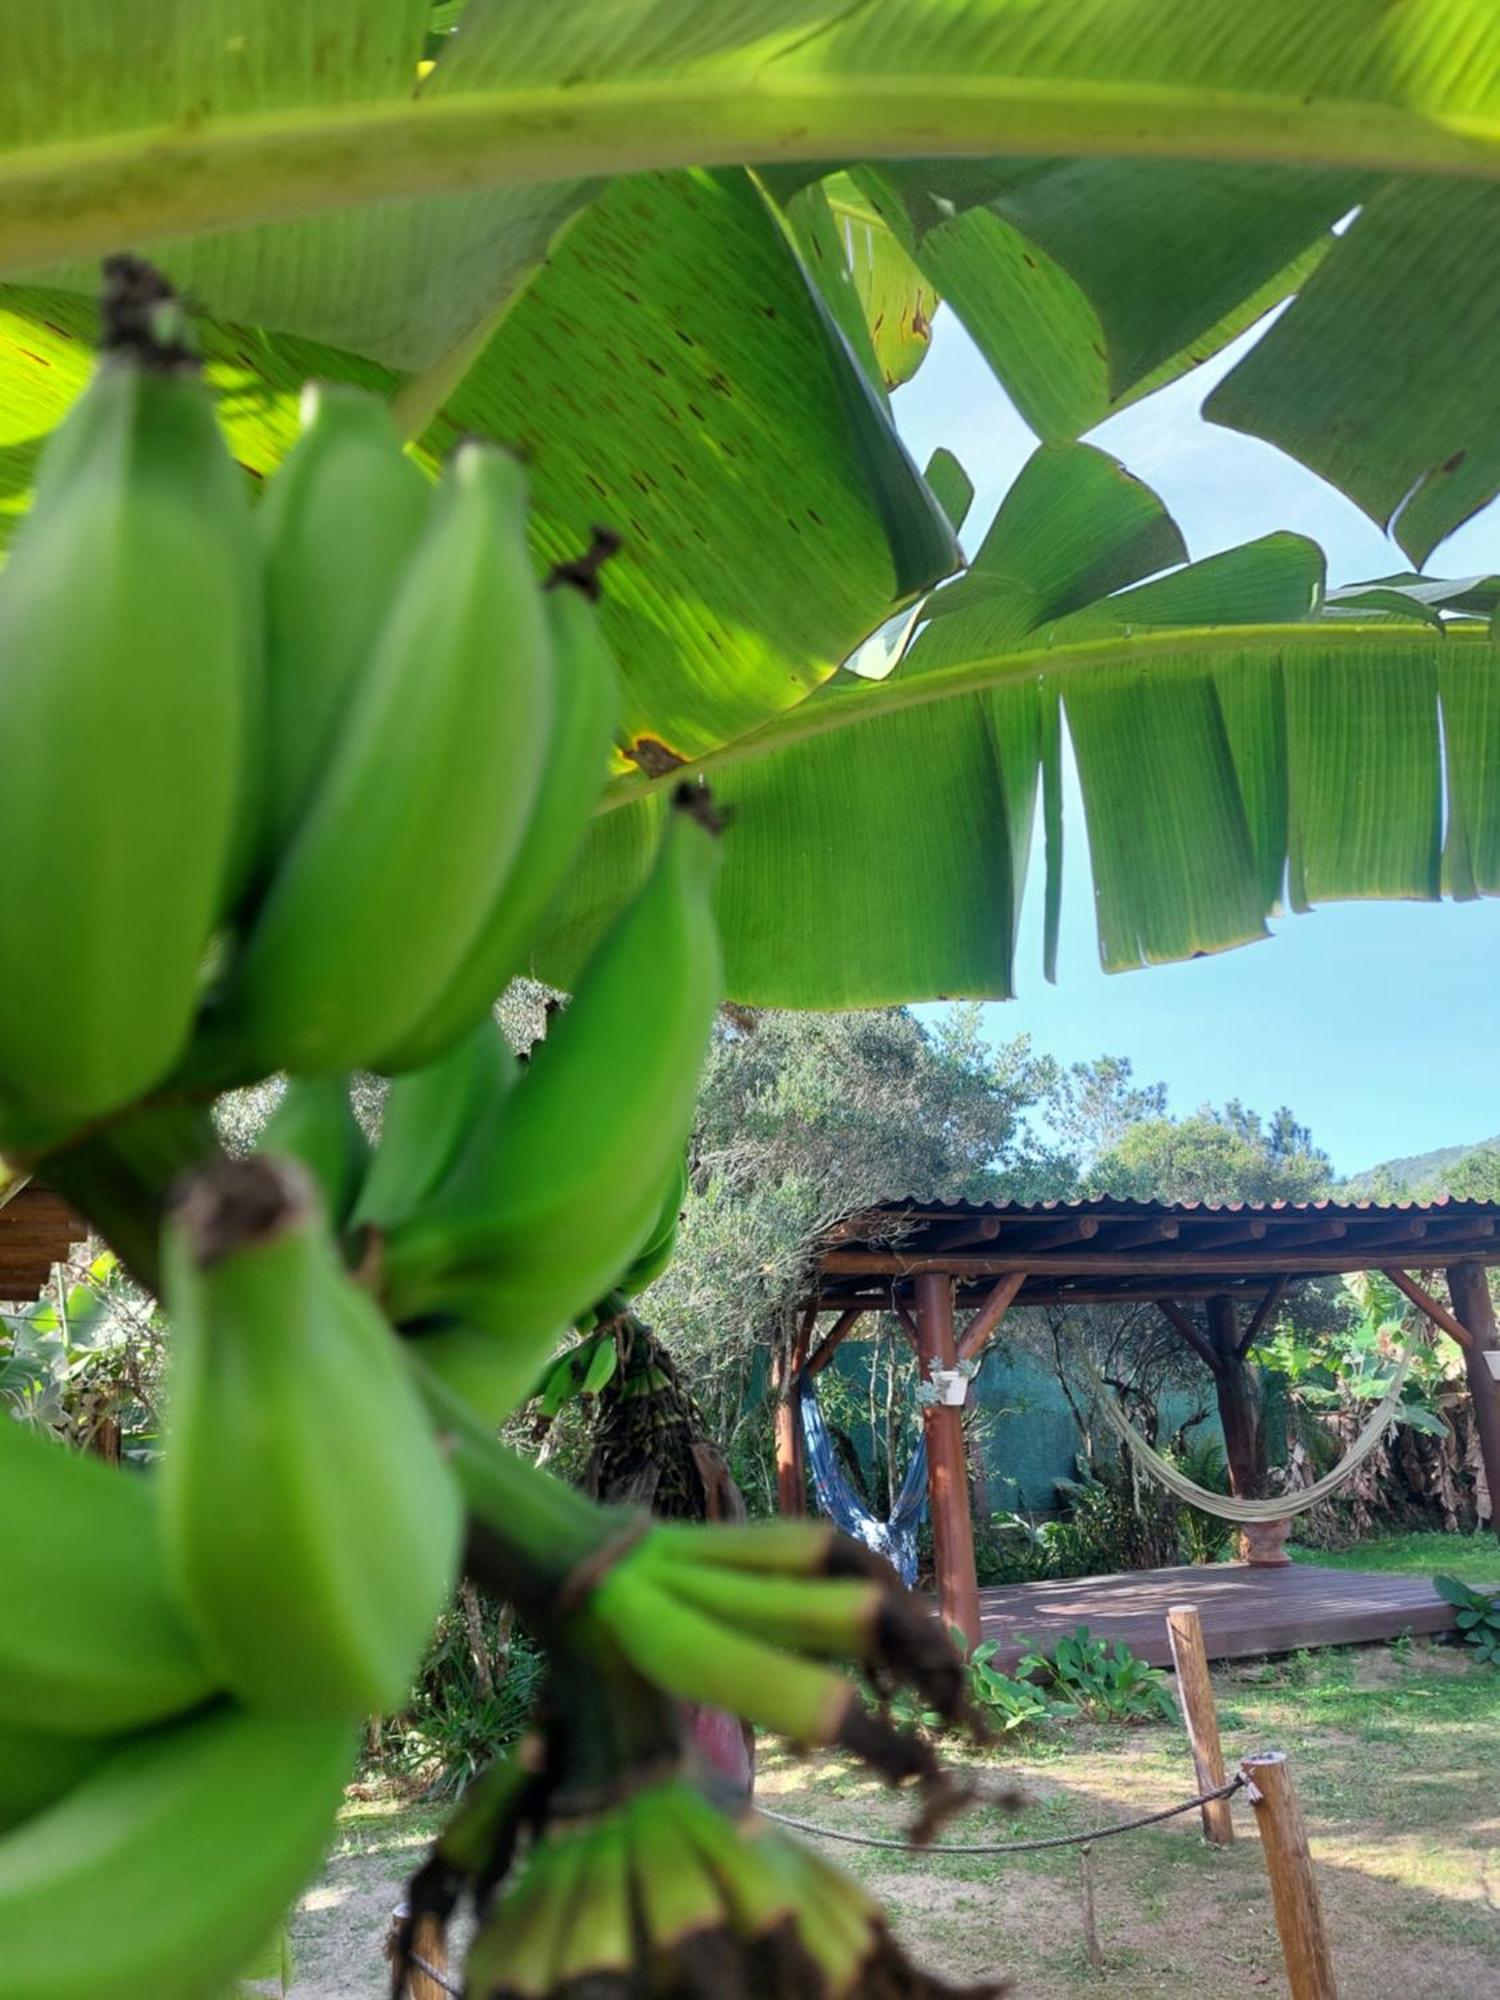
x,y
1225,1505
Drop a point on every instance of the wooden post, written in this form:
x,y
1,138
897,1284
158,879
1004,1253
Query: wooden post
x,y
947,1473
1468,1287
1195,1695
791,1482
430,1945
786,1365
1294,1888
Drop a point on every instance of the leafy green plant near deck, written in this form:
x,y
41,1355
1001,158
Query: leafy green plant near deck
x,y
1005,1702
1100,1682
1478,1616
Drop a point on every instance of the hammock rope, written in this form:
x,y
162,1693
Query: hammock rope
x,y
895,1539
1225,1505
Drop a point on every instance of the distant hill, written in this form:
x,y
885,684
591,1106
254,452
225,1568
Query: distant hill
x,y
1419,1169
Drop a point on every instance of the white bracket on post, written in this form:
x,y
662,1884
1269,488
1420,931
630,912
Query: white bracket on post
x,y
1492,1356
949,1386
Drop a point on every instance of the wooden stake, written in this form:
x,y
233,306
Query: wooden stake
x,y
1294,1888
1091,1944
431,1947
1195,1696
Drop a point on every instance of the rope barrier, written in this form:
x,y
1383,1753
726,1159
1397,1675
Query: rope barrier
x,y
1084,1840
1235,1784
431,1972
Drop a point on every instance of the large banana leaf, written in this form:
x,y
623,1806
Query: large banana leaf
x,y
1239,745
671,372
704,360
124,119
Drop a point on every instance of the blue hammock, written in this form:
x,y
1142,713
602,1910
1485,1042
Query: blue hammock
x,y
895,1539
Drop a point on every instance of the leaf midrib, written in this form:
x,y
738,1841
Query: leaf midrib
x,y
84,197
815,717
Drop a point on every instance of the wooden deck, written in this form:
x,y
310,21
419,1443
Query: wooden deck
x,y
1244,1611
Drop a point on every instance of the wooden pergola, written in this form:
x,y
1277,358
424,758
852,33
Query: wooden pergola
x,y
951,1272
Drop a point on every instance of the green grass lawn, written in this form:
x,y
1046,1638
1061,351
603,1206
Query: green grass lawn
x,y
1474,1558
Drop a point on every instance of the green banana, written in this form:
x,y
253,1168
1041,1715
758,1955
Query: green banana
x,y
657,1251
314,1122
129,648
557,1195
37,1767
431,1115
162,1870
91,1641
583,1370
699,1658
312,1524
424,801
587,699
833,1617
599,1943
521,1940
679,1897
340,520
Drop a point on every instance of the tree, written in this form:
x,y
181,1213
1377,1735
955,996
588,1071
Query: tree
x,y
803,1118
1214,1156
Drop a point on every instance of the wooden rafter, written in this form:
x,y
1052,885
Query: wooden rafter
x,y
1275,1293
972,1341
839,1332
1181,1325
1423,1300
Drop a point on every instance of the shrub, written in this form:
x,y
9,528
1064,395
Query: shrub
x,y
1478,1616
1103,1683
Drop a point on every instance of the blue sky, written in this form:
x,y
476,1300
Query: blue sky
x,y
1374,1021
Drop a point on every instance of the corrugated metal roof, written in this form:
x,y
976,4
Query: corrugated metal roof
x,y
1128,1205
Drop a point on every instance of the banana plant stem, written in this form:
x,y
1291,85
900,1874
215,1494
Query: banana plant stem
x,y
120,1176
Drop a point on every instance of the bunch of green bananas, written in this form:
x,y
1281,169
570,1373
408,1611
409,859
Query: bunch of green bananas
x,y
294,791
666,1893
295,787
152,1829
497,1243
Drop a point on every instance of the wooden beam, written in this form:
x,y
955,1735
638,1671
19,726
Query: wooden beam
x,y
1181,1325
1078,1229
1184,1263
908,1324
839,1332
1129,1235
1469,1290
947,1469
954,1235
1275,1292
1328,1229
989,1315
1411,1231
1210,1236
1423,1300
